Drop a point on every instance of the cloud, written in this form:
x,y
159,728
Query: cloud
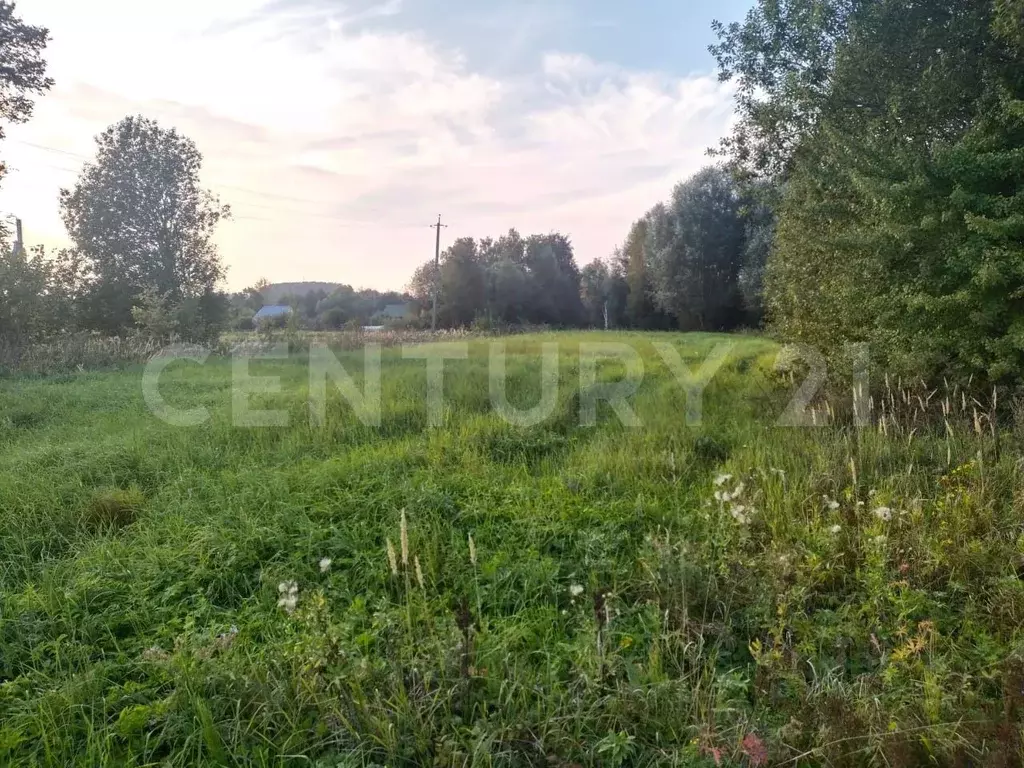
x,y
338,144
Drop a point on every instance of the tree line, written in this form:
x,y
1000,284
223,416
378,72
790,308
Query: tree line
x,y
894,133
871,190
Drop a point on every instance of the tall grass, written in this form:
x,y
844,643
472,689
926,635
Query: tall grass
x,y
733,593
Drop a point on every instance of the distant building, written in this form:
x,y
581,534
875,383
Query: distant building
x,y
276,313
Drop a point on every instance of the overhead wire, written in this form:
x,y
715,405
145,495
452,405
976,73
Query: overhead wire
x,y
338,220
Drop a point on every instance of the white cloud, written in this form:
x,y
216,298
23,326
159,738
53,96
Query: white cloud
x,y
337,147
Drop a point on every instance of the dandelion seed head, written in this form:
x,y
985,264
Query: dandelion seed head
x,y
576,590
835,529
722,480
325,564
883,513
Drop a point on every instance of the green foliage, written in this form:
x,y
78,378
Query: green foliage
x,y
697,253
24,311
24,71
781,60
141,219
152,314
510,280
901,221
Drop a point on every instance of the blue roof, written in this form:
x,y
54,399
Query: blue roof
x,y
273,310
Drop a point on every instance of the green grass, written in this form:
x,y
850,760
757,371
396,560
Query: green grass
x,y
616,612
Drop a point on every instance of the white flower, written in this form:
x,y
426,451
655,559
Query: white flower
x,y
722,480
738,516
778,472
289,596
721,496
883,513
831,503
576,590
835,529
739,490
325,564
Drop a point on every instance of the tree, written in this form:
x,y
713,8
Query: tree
x,y
555,279
901,218
23,70
140,217
759,221
509,292
421,285
781,58
463,290
698,252
595,289
22,74
24,313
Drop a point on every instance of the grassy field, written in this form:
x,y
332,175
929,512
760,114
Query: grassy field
x,y
733,593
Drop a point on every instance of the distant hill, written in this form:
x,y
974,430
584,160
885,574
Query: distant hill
x,y
273,293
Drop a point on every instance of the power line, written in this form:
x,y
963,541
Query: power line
x,y
244,204
248,190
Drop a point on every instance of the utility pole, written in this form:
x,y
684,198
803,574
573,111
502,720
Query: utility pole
x,y
437,270
19,242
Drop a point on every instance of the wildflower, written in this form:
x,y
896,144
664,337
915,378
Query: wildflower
x,y
722,480
738,515
289,599
156,653
225,639
721,496
325,564
831,503
738,491
392,558
576,590
835,529
419,571
404,531
472,550
883,513
778,472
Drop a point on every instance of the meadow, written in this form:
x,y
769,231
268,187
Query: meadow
x,y
476,593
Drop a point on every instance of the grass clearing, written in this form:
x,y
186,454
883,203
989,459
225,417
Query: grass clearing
x,y
858,600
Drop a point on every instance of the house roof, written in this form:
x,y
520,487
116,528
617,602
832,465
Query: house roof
x,y
273,310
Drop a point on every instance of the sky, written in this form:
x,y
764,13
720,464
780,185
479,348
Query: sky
x,y
338,131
